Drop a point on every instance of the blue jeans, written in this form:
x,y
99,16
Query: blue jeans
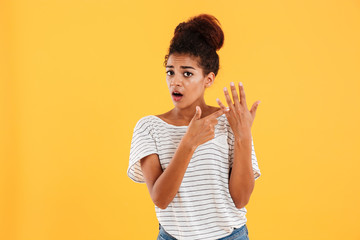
x,y
238,234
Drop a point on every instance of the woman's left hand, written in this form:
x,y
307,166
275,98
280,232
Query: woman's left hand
x,y
239,117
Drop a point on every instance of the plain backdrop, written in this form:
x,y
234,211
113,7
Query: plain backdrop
x,y
76,76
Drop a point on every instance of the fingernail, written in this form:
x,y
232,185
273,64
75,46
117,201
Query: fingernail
x,y
225,89
217,99
240,83
232,84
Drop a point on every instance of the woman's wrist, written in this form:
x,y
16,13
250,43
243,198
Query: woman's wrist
x,y
187,142
244,141
243,136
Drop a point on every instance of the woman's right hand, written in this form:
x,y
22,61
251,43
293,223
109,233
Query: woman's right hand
x,y
201,130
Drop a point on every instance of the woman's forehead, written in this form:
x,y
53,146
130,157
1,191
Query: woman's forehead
x,y
182,59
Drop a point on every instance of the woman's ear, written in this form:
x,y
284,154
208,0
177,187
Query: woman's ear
x,y
209,79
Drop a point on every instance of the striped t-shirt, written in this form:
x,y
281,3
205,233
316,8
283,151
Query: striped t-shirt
x,y
203,207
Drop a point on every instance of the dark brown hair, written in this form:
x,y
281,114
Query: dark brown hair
x,y
201,36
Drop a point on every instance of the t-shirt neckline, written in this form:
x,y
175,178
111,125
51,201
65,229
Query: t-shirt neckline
x,y
183,126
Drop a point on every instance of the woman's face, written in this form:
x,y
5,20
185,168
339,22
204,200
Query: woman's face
x,y
183,75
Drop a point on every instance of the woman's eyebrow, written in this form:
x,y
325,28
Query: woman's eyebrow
x,y
183,67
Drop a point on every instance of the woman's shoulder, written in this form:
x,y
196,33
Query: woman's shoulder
x,y
151,120
144,121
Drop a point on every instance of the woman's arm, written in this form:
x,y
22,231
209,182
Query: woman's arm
x,y
163,185
242,181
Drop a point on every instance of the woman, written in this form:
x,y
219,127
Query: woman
x,y
198,161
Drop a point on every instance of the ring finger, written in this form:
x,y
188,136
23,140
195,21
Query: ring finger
x,y
228,99
222,106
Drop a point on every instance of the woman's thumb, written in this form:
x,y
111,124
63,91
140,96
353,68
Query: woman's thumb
x,y
197,113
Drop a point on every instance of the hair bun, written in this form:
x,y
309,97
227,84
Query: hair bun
x,y
207,26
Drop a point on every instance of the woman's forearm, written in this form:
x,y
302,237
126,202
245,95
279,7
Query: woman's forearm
x,y
241,182
168,183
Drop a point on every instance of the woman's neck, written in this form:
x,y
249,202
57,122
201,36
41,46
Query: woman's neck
x,y
185,115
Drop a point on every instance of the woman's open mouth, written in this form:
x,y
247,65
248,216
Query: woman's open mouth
x,y
177,96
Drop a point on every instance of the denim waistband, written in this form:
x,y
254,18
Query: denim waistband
x,y
237,232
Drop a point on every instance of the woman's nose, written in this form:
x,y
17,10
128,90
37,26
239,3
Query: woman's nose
x,y
175,81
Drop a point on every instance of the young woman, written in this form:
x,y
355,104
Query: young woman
x,y
198,161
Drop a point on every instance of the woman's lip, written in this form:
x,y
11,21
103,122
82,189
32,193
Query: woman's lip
x,y
177,98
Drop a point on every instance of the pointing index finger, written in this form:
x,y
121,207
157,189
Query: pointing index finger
x,y
216,114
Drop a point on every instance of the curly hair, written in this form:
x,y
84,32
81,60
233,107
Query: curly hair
x,y
201,36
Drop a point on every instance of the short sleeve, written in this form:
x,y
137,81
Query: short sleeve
x,y
142,145
256,169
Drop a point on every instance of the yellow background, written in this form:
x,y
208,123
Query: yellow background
x,y
77,75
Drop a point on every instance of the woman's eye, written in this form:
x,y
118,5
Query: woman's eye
x,y
188,73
